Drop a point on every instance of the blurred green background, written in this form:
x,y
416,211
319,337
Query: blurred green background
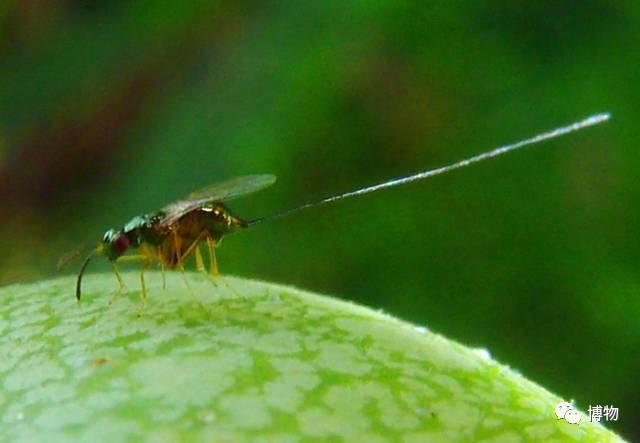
x,y
113,108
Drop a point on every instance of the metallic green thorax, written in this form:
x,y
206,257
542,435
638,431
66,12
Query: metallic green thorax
x,y
137,231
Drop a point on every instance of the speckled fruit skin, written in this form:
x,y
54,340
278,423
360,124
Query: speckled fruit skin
x,y
244,360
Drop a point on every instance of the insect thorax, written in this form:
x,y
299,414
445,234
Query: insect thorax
x,y
142,229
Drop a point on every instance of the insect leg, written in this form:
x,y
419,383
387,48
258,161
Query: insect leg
x,y
186,280
155,253
137,257
148,259
143,295
143,286
179,258
176,248
209,274
213,264
213,267
118,276
199,263
120,282
193,246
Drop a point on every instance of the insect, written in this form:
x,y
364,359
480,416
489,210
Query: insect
x,y
175,232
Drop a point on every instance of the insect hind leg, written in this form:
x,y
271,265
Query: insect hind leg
x,y
185,279
214,275
199,261
201,267
213,264
181,258
193,294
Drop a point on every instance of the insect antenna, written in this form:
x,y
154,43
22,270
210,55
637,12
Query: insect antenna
x,y
96,251
557,132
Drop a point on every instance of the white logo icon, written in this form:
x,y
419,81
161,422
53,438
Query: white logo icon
x,y
572,416
565,411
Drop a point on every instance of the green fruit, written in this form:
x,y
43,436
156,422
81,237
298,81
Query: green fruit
x,y
248,361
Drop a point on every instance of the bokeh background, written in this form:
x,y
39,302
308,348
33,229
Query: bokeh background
x,y
113,108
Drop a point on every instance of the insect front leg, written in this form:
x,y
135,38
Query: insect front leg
x,y
118,276
120,282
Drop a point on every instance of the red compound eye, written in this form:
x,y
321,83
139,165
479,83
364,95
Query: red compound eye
x,y
121,244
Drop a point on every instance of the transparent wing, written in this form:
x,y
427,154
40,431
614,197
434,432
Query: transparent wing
x,y
233,188
217,192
